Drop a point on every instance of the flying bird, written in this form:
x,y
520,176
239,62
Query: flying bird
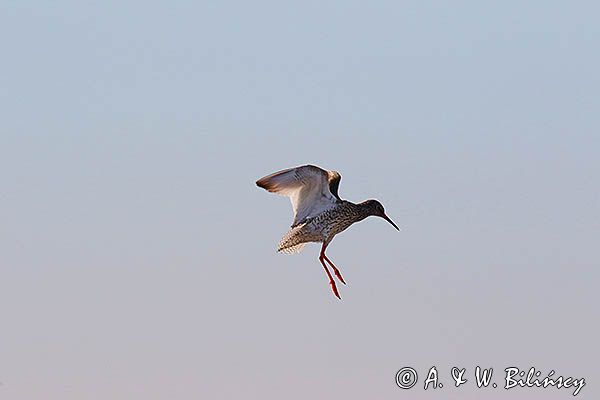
x,y
319,212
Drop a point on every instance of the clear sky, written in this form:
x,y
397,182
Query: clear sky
x,y
137,257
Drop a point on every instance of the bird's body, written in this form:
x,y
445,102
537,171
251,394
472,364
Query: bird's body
x,y
319,212
322,227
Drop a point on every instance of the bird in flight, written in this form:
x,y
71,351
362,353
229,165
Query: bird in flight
x,y
319,212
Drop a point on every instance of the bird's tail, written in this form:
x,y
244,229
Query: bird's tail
x,y
292,250
293,241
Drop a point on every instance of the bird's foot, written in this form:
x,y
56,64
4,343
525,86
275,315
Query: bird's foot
x,y
322,259
334,289
335,270
337,273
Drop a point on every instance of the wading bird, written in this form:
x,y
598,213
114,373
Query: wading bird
x,y
319,212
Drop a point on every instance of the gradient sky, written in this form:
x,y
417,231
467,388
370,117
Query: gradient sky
x,y
137,257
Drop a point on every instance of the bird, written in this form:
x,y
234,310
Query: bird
x,y
319,212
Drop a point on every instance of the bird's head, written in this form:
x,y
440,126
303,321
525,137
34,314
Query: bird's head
x,y
375,208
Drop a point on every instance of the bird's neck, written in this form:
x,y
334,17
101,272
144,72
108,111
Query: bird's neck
x,y
362,209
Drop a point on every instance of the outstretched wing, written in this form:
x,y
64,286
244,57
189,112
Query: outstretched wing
x,y
311,189
334,179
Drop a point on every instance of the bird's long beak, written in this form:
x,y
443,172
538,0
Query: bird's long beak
x,y
390,221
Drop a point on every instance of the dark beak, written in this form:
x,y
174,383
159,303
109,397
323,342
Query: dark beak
x,y
390,221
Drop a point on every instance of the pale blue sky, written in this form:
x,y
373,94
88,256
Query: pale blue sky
x,y
137,256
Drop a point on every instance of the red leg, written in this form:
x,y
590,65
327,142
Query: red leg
x,y
331,281
335,270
